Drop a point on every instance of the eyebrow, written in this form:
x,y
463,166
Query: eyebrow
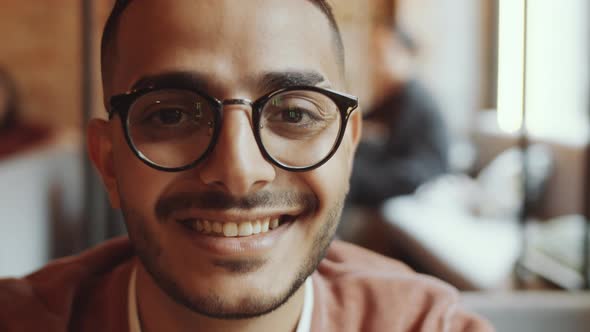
x,y
282,79
266,82
176,79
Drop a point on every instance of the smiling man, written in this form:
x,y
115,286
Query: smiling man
x,y
228,148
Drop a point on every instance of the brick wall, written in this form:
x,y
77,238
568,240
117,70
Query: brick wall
x,y
41,48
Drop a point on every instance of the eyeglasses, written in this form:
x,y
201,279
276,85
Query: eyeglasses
x,y
173,129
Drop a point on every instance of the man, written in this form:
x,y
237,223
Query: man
x,y
230,204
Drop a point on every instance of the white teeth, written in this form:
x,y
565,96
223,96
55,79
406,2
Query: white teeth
x,y
217,227
245,229
274,223
230,229
206,226
256,227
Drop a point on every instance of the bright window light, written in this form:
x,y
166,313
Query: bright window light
x,y
511,64
557,71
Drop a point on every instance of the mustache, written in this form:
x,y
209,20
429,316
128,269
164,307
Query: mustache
x,y
218,200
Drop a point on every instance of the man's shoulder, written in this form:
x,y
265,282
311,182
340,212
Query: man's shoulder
x,y
375,292
346,264
52,297
347,257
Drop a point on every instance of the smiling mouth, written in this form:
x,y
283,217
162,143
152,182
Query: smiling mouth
x,y
236,229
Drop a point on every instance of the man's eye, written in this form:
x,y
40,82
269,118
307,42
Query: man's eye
x,y
167,116
292,115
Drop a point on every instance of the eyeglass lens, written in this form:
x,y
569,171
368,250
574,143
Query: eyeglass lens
x,y
299,128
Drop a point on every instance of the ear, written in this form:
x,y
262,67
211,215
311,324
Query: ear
x,y
355,126
100,149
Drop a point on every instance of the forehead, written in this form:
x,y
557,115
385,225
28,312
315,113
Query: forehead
x,y
224,40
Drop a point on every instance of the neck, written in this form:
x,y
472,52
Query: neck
x,y
158,312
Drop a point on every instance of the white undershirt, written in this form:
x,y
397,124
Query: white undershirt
x,y
304,324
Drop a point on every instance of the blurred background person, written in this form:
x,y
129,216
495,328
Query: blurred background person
x,y
404,136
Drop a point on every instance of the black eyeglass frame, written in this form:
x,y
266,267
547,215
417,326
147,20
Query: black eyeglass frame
x,y
122,103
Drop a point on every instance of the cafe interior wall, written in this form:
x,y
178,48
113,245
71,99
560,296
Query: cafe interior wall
x,y
357,19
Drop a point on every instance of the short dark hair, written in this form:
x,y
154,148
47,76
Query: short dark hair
x,y
108,49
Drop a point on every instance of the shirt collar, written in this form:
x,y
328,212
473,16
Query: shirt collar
x,y
134,325
304,324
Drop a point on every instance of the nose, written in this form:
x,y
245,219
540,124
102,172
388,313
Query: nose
x,y
236,164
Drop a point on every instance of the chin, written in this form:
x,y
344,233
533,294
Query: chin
x,y
230,297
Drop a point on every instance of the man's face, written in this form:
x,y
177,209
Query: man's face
x,y
231,47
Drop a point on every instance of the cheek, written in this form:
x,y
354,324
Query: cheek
x,y
330,182
139,185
